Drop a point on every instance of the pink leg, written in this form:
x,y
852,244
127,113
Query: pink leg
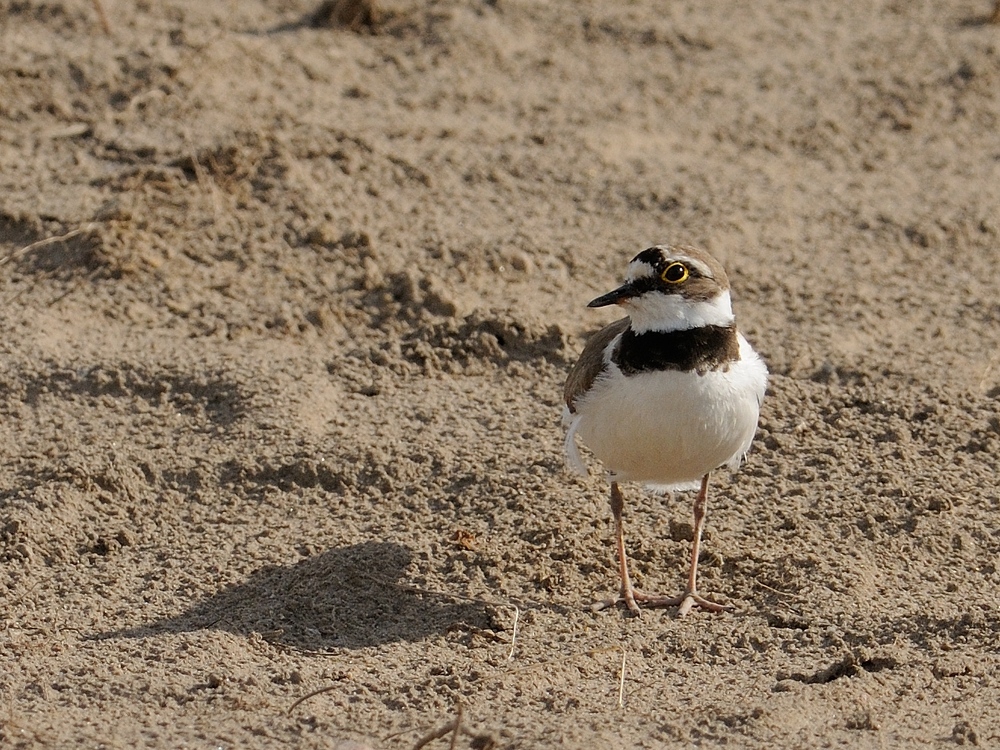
x,y
627,592
631,596
691,597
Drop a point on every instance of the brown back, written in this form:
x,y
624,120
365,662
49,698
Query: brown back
x,y
591,360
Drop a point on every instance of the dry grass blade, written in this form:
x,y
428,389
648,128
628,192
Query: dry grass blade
x,y
513,634
102,17
313,694
452,726
621,682
479,740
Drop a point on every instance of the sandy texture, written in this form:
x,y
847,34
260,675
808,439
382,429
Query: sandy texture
x,y
285,311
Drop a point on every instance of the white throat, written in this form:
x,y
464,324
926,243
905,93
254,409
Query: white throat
x,y
673,312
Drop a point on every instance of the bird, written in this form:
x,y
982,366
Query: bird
x,y
665,396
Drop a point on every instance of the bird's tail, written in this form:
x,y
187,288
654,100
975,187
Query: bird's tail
x,y
573,458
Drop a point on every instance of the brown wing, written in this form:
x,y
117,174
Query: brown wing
x,y
591,360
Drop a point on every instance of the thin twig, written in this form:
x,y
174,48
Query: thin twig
x,y
452,726
436,734
773,590
621,682
102,16
513,635
458,724
313,694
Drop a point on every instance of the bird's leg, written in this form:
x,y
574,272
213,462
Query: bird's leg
x,y
617,508
691,597
627,593
631,596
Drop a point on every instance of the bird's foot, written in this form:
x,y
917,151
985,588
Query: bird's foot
x,y
691,599
632,597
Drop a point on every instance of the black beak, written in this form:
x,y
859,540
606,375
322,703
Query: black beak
x,y
616,297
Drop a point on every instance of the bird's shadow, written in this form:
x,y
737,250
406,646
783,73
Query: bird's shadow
x,y
349,597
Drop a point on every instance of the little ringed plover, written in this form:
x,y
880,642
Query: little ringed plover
x,y
666,395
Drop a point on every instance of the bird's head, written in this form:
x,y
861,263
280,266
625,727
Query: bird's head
x,y
672,288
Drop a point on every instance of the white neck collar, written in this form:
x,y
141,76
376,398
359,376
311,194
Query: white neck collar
x,y
672,312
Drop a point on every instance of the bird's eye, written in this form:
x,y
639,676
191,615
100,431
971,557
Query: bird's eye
x,y
675,273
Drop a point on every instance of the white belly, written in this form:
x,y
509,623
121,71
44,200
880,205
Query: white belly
x,y
671,428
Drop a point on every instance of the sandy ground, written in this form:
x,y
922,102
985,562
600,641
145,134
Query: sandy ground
x,y
285,312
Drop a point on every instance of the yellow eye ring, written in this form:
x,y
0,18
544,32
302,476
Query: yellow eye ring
x,y
675,273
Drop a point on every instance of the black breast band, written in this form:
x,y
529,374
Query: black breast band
x,y
704,348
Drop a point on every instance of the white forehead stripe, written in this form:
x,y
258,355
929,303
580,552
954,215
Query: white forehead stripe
x,y
638,269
